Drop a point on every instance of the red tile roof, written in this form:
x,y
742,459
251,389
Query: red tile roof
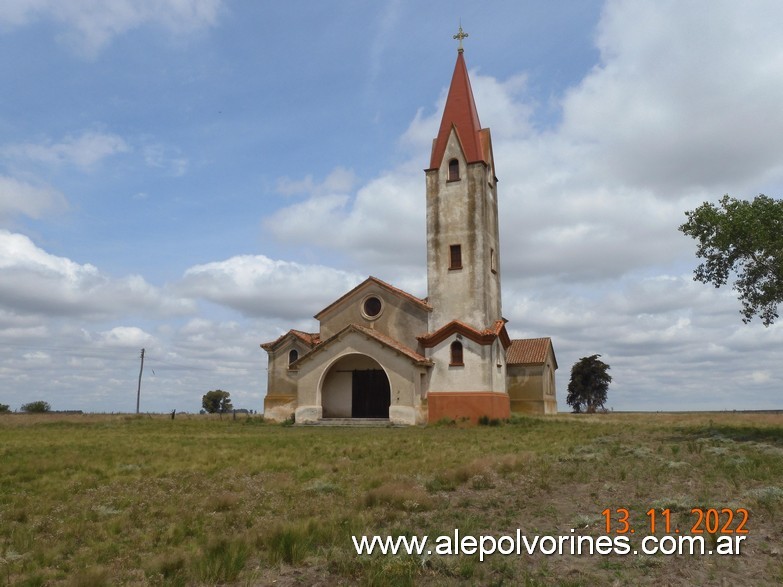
x,y
460,113
484,337
374,334
309,338
529,351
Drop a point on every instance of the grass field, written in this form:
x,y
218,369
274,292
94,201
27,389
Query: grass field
x,y
106,500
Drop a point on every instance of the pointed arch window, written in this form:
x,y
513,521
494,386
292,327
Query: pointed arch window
x,y
453,170
456,354
293,355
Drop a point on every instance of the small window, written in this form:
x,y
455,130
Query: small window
x,y
293,355
455,257
493,264
371,308
456,353
453,170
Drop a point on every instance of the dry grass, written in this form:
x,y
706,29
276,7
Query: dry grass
x,y
115,499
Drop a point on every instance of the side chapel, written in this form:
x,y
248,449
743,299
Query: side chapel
x,y
383,353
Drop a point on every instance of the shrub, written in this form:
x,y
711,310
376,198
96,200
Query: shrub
x,y
37,407
487,421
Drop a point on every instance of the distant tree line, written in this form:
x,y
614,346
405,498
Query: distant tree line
x,y
36,407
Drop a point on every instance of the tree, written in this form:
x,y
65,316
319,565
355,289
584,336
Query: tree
x,y
745,239
589,384
37,407
4,408
216,401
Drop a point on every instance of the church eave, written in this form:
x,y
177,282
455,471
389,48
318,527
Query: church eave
x,y
368,333
310,339
482,337
531,351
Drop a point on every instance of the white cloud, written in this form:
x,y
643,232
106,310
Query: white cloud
x,y
760,376
19,197
670,342
339,181
83,151
91,25
36,282
258,286
126,336
97,370
684,95
166,158
381,226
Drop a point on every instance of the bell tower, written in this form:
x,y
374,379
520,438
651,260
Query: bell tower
x,y
463,253
467,338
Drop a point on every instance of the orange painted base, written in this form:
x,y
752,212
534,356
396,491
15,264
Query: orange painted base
x,y
456,405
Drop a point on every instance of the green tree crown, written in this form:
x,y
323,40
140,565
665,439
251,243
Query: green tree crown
x,y
36,407
744,239
589,384
216,401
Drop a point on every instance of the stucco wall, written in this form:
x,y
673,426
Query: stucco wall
x,y
280,400
400,318
532,388
462,212
402,372
479,372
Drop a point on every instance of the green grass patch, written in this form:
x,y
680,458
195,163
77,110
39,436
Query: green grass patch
x,y
106,500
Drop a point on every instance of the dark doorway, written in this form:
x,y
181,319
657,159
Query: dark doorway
x,y
371,394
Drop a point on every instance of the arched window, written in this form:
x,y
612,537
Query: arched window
x,y
456,353
453,170
293,355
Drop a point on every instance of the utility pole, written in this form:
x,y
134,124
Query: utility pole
x,y
138,390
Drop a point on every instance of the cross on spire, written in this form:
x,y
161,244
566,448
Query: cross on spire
x,y
459,36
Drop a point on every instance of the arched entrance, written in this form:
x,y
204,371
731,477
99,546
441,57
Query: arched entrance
x,y
356,387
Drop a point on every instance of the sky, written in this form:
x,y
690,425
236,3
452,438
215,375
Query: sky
x,y
196,177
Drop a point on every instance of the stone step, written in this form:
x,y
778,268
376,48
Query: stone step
x,y
354,422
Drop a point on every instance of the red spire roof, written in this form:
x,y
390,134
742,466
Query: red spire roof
x,y
460,112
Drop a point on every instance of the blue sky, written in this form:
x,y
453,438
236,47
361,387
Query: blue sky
x,y
197,176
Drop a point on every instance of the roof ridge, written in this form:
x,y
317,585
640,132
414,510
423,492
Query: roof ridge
x,y
530,351
381,283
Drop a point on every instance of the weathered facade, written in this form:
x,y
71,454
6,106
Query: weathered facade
x,y
382,353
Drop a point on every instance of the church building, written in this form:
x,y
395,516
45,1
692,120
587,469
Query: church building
x,y
383,353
